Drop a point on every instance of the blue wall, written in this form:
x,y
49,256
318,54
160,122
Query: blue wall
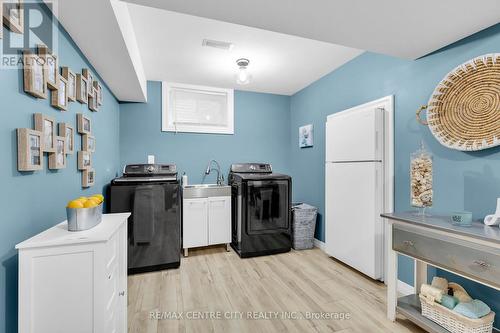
x,y
32,202
469,181
261,127
265,130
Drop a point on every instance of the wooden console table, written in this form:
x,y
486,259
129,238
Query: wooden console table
x,y
471,252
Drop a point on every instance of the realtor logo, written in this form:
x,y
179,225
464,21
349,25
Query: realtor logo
x,y
29,24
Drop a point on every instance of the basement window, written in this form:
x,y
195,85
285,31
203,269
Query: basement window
x,y
197,109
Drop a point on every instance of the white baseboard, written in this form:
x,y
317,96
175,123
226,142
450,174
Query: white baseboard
x,y
405,289
319,244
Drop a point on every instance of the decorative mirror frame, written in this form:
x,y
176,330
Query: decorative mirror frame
x,y
98,86
81,121
68,132
49,58
25,150
57,95
88,143
11,23
88,178
90,80
33,64
93,101
57,160
40,120
70,77
82,157
81,89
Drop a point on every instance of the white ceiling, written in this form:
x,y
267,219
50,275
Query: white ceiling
x,y
109,50
171,49
402,28
128,44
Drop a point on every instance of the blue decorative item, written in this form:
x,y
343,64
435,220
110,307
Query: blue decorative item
x,y
474,310
449,301
463,219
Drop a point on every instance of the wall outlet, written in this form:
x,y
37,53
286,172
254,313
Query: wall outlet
x,y
151,159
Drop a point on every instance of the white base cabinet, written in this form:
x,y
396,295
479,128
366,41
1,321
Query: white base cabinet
x,y
206,221
75,281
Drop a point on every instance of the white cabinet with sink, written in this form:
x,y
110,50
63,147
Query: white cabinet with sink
x,y
206,216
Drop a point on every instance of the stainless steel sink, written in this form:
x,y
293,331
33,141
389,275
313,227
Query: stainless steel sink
x,y
205,191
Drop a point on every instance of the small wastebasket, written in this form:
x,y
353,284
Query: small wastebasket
x,y
303,225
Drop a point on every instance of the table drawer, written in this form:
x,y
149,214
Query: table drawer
x,y
466,258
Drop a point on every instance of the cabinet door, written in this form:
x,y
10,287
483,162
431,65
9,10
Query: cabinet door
x,y
219,220
122,273
195,229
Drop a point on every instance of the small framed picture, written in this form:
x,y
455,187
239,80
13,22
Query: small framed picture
x,y
68,132
88,178
13,15
59,98
84,124
29,150
90,80
93,101
71,80
98,86
88,143
51,66
57,160
81,89
46,125
84,160
34,75
306,136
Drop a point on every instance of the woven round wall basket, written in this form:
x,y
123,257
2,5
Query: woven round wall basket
x,y
463,112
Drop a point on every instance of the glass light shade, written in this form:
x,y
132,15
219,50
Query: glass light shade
x,y
243,76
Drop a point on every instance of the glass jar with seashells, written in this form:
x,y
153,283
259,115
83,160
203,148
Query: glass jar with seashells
x,y
421,192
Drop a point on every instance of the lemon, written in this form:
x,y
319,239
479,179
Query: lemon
x,y
82,199
90,204
100,197
75,204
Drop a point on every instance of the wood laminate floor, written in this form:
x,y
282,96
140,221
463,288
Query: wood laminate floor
x,y
279,293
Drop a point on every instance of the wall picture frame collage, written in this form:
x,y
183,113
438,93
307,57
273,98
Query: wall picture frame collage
x,y
41,74
44,138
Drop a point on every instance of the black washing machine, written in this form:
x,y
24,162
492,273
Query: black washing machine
x,y
151,193
261,210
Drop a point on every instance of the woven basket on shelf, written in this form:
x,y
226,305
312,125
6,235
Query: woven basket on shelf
x,y
463,112
454,322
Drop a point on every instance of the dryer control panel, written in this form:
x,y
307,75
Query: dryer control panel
x,y
251,168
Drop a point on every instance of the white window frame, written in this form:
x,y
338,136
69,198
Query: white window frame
x,y
168,125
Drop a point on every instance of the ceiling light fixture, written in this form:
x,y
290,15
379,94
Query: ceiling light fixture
x,y
243,76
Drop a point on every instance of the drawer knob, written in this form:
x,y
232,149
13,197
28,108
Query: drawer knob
x,y
482,263
408,243
121,293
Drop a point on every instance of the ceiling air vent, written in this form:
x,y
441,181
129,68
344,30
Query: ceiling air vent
x,y
217,44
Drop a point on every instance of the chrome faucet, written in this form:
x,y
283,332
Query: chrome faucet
x,y
220,176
